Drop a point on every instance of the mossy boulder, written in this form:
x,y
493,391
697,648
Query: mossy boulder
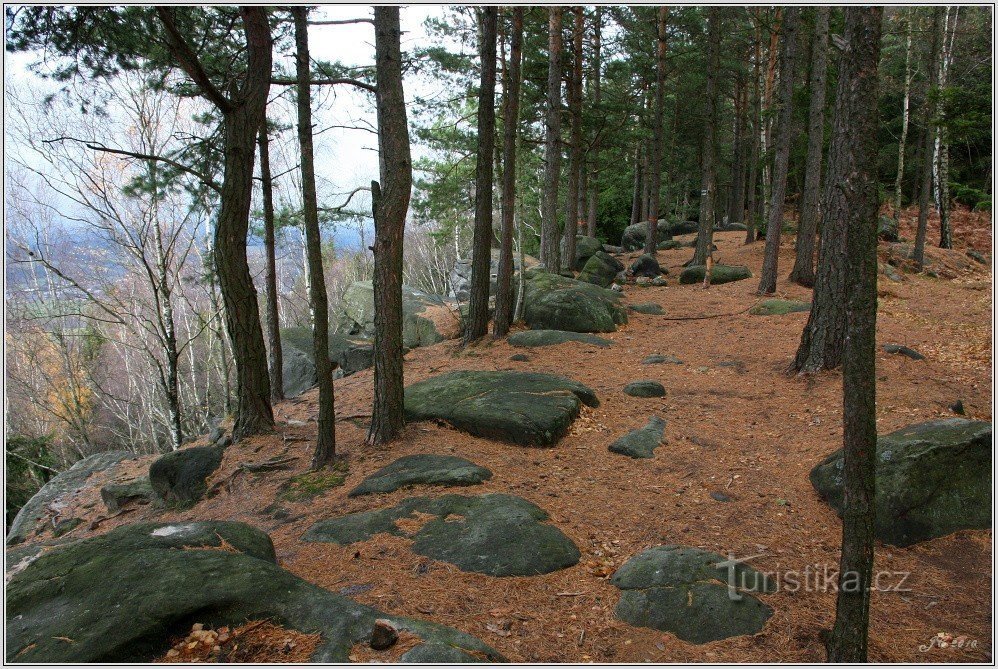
x,y
719,274
426,319
635,235
585,248
122,596
553,302
526,408
601,269
659,359
933,478
349,354
118,494
423,469
498,535
535,338
887,229
69,481
642,442
651,308
669,245
180,477
777,307
683,591
644,389
645,265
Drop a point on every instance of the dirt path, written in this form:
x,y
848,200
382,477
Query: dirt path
x,y
736,425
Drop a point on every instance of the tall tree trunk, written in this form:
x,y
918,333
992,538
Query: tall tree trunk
x,y
241,118
942,140
823,338
905,111
275,358
803,271
736,201
575,157
655,187
708,166
594,151
753,176
325,445
638,198
511,121
481,256
550,236
781,163
390,199
848,642
928,143
767,126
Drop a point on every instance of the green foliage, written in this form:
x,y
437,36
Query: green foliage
x,y
311,484
26,461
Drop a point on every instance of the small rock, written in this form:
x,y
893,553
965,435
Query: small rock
x,y
646,266
216,434
642,281
617,288
656,359
645,389
519,357
659,281
224,442
384,635
647,308
957,408
720,496
903,350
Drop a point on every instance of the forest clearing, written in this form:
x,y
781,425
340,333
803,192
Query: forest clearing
x,y
631,334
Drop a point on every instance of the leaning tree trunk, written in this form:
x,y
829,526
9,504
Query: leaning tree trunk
x,y
325,444
511,122
575,157
803,271
848,642
928,144
594,151
390,200
708,167
478,300
550,236
781,164
655,185
240,121
275,357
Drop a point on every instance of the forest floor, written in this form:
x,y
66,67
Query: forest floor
x,y
737,424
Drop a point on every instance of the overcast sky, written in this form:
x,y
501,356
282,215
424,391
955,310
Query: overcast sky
x,y
345,159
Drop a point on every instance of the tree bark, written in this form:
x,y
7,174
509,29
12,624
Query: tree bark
x,y
823,338
942,140
241,118
905,111
550,236
803,271
736,202
594,151
655,186
511,121
575,157
848,642
637,197
781,163
275,357
708,166
481,258
928,142
753,175
325,445
390,199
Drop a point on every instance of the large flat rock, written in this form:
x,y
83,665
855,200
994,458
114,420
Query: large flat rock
x,y
535,338
719,274
499,535
683,591
447,470
933,478
527,408
121,596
